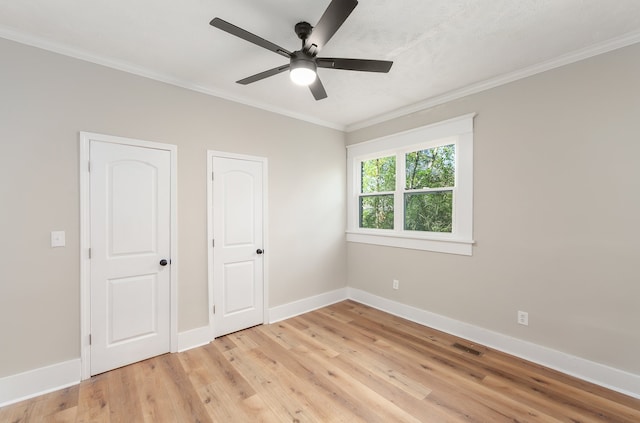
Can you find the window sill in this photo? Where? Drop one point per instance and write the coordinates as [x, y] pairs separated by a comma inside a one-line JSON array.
[[441, 245]]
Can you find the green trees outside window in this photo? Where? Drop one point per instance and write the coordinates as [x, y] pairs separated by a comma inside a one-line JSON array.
[[378, 182], [414, 189], [428, 190], [428, 199]]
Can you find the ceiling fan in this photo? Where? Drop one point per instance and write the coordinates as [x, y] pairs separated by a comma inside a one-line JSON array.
[[303, 63]]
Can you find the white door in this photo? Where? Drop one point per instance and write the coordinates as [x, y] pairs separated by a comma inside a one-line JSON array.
[[130, 219], [238, 264]]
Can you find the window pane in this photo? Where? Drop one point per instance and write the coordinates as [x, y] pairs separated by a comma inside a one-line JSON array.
[[431, 168], [378, 175], [376, 211], [430, 212]]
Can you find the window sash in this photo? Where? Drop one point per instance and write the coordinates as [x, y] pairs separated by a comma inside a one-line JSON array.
[[361, 164], [361, 209], [374, 194], [450, 221], [401, 182], [420, 149], [427, 190]]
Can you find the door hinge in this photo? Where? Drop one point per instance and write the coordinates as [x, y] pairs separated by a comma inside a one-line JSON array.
[[213, 242], [89, 166], [89, 339], [212, 175], [89, 252], [214, 309]]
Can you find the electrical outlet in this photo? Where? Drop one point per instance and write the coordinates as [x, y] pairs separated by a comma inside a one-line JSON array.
[[523, 318], [57, 239], [396, 284]]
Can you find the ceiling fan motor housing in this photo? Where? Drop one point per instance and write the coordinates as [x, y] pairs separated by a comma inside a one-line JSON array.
[[303, 30], [301, 59]]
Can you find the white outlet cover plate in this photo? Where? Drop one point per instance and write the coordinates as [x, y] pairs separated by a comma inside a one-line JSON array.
[[58, 239], [523, 318]]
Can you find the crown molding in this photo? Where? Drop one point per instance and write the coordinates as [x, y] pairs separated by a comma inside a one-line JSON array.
[[566, 59], [585, 53], [41, 43]]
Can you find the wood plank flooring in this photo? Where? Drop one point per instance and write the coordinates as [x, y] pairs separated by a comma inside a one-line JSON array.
[[343, 363]]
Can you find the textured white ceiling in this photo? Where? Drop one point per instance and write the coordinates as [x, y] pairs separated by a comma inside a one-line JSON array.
[[438, 47]]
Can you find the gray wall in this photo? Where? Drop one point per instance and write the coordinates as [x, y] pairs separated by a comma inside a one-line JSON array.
[[47, 99], [556, 214], [557, 172]]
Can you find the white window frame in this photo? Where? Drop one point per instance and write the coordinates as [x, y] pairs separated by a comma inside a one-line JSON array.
[[457, 131]]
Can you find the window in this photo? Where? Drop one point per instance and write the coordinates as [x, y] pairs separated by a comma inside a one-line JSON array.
[[414, 189], [377, 186], [429, 185]]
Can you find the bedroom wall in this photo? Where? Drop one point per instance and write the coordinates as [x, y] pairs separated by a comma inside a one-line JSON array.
[[48, 98], [556, 207]]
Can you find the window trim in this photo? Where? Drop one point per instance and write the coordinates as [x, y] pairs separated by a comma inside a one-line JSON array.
[[458, 131]]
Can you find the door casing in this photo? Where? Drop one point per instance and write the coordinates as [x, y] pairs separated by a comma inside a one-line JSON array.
[[85, 240], [265, 183]]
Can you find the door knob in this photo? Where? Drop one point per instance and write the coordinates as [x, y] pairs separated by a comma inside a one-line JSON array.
[[163, 262], [259, 251]]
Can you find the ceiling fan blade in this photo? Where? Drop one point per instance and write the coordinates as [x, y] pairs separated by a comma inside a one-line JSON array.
[[246, 35], [335, 15], [354, 64], [263, 75], [317, 89]]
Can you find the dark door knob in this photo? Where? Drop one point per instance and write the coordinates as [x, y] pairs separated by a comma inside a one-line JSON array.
[[163, 262], [259, 251]]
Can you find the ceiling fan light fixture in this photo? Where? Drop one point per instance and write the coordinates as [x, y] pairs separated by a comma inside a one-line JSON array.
[[302, 76], [302, 70]]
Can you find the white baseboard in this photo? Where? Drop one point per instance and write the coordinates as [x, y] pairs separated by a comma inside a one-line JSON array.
[[608, 377], [194, 338], [51, 378], [305, 305], [201, 336], [39, 381]]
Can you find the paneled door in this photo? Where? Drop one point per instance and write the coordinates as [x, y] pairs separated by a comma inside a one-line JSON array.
[[238, 249], [130, 222]]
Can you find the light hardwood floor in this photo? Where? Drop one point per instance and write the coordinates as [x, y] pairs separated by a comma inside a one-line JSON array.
[[343, 363]]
